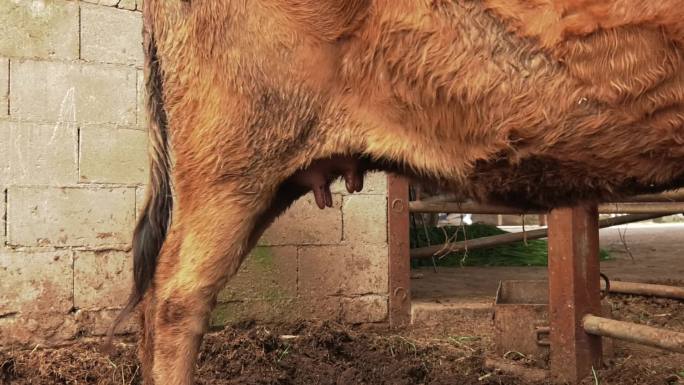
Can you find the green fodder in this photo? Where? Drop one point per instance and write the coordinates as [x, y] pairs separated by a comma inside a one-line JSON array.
[[530, 253]]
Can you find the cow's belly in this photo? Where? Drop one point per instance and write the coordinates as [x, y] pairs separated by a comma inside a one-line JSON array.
[[545, 182]]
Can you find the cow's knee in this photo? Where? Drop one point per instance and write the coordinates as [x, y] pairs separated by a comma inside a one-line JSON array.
[[186, 312]]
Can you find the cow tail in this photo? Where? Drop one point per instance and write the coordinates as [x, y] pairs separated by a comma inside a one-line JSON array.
[[153, 223]]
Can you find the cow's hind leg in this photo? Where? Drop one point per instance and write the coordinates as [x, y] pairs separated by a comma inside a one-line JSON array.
[[204, 248]]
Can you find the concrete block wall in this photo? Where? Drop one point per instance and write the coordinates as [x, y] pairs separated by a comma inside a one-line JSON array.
[[312, 263], [73, 165]]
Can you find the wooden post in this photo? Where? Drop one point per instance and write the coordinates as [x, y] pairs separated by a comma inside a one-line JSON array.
[[399, 260], [574, 291]]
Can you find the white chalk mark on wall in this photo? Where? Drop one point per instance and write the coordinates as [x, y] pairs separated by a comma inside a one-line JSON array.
[[66, 120]]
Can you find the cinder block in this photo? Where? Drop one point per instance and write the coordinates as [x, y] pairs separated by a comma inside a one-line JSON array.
[[67, 92], [365, 219], [4, 86], [42, 29], [366, 309], [111, 35], [141, 111], [4, 154], [285, 310], [328, 308], [323, 270], [334, 270], [4, 178], [35, 282], [367, 270], [42, 153], [139, 5], [3, 214], [140, 196], [268, 273], [127, 4], [106, 3], [97, 323], [374, 183], [48, 216], [102, 279], [111, 155], [280, 310], [305, 224], [32, 329]]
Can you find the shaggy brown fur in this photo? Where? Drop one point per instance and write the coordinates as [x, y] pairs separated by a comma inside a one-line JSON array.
[[552, 21], [537, 102]]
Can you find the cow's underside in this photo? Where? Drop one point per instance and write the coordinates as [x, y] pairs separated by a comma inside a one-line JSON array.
[[253, 104], [533, 183]]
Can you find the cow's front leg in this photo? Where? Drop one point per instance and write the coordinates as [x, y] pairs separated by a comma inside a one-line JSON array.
[[204, 248]]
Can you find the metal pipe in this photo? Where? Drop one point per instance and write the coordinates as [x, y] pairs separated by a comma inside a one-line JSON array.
[[463, 207], [495, 240], [630, 332], [642, 208], [607, 208], [646, 289]]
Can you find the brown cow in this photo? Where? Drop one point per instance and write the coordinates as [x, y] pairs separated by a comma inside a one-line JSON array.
[[253, 103]]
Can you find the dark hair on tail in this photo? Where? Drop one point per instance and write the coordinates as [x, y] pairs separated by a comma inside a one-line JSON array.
[[153, 224]]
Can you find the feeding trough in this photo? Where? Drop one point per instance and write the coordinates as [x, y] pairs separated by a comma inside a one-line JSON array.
[[521, 320]]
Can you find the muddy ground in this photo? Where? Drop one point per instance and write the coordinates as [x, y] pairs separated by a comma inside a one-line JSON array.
[[329, 353]]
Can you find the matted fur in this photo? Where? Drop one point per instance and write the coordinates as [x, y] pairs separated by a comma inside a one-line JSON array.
[[535, 103]]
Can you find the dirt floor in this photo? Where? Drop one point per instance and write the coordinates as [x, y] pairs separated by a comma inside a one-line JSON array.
[[329, 353], [449, 353]]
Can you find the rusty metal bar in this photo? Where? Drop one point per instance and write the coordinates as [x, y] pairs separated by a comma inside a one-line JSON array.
[[607, 208], [646, 289], [399, 261], [573, 291], [630, 332], [495, 240]]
